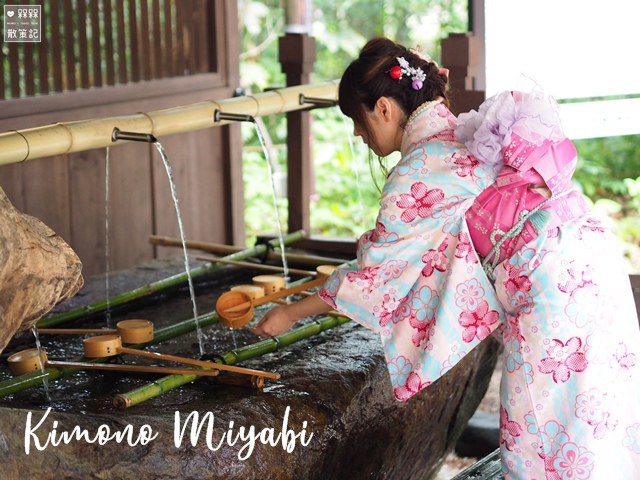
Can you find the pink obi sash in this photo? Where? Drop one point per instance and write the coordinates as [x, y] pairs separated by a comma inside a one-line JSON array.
[[511, 213]]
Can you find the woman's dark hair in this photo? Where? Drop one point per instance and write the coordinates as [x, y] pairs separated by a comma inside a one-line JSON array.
[[367, 79]]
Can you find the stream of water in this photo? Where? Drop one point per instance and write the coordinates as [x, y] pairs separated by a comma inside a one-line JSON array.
[[106, 239], [275, 201], [45, 379], [174, 194]]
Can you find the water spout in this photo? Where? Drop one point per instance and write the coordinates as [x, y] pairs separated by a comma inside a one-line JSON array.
[[318, 102], [117, 134], [236, 117]]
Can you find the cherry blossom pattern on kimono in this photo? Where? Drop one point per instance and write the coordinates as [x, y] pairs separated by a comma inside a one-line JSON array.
[[417, 280]]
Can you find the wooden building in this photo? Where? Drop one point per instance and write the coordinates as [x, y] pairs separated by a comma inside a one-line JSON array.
[[149, 56], [174, 54]]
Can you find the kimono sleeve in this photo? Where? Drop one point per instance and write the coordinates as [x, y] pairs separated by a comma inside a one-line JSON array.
[[418, 281]]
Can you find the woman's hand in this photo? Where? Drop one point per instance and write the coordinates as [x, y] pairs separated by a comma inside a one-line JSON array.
[[282, 318], [275, 322]]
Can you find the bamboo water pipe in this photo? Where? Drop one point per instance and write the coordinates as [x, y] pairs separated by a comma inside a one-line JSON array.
[[67, 137]]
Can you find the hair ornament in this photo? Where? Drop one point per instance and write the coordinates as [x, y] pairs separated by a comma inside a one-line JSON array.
[[405, 68]]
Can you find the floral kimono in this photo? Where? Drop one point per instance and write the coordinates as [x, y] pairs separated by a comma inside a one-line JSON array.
[[555, 292]]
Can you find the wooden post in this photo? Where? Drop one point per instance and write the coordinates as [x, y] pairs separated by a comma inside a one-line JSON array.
[[225, 57], [460, 54], [297, 53]]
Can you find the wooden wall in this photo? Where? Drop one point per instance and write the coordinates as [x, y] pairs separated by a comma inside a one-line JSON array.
[[67, 192]]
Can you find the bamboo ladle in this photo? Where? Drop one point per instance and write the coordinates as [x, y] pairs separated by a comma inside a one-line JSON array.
[[235, 308], [110, 345], [130, 331], [27, 361]]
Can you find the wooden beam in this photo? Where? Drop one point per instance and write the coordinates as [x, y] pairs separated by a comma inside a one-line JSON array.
[[297, 54]]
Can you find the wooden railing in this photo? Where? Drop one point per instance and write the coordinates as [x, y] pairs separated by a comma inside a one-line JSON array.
[[93, 43]]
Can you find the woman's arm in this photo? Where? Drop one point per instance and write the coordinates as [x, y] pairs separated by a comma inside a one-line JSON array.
[[282, 318]]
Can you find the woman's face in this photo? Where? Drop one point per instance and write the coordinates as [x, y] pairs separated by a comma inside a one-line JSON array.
[[383, 132]]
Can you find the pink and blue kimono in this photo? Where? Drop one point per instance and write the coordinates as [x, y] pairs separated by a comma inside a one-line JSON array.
[[490, 238]]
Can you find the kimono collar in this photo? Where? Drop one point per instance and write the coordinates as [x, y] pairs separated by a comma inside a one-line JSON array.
[[427, 120]]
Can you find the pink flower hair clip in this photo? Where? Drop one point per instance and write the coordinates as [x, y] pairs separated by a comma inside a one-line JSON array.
[[405, 68]]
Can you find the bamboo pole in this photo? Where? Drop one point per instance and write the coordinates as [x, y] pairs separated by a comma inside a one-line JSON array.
[[217, 248], [67, 137], [220, 249], [257, 266], [168, 383], [159, 285]]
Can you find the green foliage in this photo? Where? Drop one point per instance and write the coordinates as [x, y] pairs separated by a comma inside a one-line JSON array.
[[607, 172], [346, 197], [605, 163]]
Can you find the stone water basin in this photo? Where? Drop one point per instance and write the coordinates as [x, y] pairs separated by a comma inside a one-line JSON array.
[[331, 414]]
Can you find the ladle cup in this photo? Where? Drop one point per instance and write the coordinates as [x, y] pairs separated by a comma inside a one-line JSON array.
[[235, 308], [269, 283], [130, 331], [253, 291]]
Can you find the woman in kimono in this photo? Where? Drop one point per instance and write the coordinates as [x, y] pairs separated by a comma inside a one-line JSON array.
[[480, 232]]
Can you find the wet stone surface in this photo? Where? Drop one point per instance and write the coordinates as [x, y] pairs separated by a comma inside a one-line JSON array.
[[334, 393]]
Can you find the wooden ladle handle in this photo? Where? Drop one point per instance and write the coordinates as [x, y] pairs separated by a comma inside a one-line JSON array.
[[132, 368], [200, 363], [77, 331]]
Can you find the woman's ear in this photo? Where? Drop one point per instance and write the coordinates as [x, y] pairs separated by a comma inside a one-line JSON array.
[[384, 107]]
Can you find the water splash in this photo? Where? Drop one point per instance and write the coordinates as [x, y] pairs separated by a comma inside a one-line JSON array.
[[45, 377], [174, 194], [275, 202], [106, 239]]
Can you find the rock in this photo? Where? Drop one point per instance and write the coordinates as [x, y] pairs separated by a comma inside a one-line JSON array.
[[38, 271], [481, 436]]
